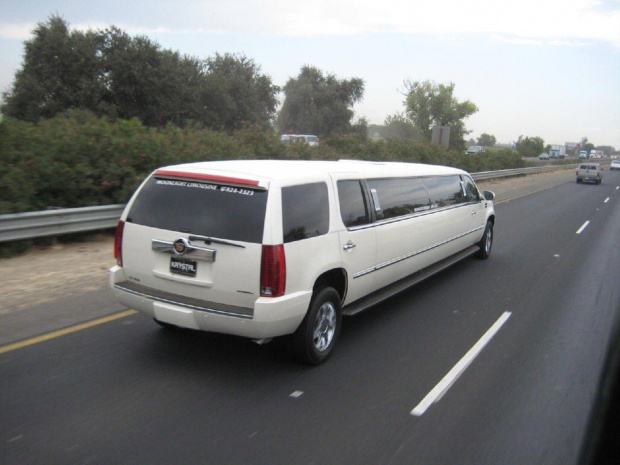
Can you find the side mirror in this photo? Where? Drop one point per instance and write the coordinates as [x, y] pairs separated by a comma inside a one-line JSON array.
[[488, 195]]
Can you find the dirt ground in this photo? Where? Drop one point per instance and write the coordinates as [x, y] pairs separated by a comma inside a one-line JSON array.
[[48, 273], [45, 274]]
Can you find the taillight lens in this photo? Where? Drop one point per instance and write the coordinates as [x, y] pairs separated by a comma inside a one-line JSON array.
[[118, 243], [272, 271]]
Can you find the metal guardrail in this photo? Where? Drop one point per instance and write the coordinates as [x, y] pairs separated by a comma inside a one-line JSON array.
[[21, 226], [484, 175], [50, 223]]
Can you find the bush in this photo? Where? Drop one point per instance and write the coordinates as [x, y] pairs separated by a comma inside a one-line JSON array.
[[490, 161], [77, 159]]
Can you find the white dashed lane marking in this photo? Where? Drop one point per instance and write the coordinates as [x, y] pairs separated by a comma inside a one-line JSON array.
[[442, 387]]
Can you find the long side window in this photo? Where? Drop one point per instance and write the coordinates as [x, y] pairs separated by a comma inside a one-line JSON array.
[[305, 211], [353, 206], [399, 196], [444, 190]]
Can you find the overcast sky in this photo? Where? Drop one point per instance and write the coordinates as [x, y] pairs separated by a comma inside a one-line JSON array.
[[548, 68]]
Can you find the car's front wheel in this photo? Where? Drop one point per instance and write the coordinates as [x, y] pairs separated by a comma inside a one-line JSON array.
[[316, 337], [486, 243]]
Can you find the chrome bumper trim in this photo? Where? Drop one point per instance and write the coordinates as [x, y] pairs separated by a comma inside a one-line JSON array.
[[182, 301]]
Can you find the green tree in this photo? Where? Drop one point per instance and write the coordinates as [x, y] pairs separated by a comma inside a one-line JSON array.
[[586, 145], [428, 104], [238, 93], [60, 72], [398, 126], [607, 149], [113, 74], [318, 103], [487, 140], [145, 82], [360, 128], [530, 146]]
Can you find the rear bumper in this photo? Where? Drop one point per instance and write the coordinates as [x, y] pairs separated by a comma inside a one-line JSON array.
[[588, 178], [268, 318]]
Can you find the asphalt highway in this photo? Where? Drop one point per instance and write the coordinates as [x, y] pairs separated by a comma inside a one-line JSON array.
[[488, 362]]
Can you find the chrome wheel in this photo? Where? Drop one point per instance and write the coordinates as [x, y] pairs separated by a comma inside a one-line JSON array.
[[324, 326], [488, 241], [314, 340]]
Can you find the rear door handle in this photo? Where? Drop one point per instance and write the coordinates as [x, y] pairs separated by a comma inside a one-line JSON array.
[[349, 245]]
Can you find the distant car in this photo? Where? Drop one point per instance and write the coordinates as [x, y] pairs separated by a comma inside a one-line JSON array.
[[615, 165], [544, 156], [308, 139], [474, 149], [589, 172]]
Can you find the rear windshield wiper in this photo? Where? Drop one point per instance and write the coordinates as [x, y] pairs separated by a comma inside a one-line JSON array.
[[209, 240]]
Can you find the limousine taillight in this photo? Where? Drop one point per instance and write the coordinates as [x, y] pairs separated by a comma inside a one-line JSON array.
[[272, 271], [118, 243]]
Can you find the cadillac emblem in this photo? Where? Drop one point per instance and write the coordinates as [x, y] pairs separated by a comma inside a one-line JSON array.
[[180, 246]]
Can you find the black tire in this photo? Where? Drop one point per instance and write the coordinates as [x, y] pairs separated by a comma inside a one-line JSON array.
[[578, 181], [314, 340], [486, 243]]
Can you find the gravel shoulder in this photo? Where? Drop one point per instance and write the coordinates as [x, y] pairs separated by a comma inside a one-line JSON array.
[[49, 274]]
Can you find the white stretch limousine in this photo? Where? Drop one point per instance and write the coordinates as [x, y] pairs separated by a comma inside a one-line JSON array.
[[270, 248]]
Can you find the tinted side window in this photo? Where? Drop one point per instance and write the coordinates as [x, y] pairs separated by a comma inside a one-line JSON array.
[[305, 211], [471, 190], [444, 190], [400, 196], [353, 208]]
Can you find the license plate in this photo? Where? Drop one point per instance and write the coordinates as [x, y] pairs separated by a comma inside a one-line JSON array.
[[183, 266]]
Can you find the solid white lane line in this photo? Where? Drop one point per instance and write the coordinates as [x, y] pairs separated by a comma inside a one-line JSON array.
[[583, 226], [440, 389]]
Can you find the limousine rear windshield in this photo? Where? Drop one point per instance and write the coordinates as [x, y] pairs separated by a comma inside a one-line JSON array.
[[201, 208]]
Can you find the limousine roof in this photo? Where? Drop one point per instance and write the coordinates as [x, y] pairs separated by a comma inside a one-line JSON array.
[[278, 170]]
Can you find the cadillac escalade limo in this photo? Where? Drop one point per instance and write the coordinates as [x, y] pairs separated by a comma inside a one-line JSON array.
[[269, 248]]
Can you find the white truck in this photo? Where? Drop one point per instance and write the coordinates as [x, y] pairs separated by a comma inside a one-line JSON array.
[[589, 172], [557, 151]]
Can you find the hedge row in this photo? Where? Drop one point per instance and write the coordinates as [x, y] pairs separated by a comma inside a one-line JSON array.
[[77, 159]]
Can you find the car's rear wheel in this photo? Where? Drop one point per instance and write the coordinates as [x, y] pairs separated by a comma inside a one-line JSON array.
[[316, 337], [486, 243]]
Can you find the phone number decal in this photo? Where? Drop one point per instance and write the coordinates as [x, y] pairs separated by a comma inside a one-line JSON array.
[[236, 190]]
